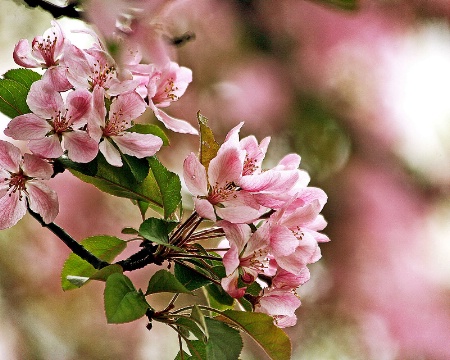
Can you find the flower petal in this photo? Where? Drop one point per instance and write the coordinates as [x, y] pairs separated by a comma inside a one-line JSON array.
[[205, 209], [194, 174], [47, 147], [43, 200], [44, 100], [10, 157], [36, 167], [111, 154], [27, 127], [174, 124], [13, 207], [138, 145], [126, 107], [78, 106], [80, 146], [22, 55]]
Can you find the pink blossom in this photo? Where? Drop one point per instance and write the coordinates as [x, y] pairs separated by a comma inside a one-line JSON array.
[[21, 186], [55, 126], [294, 235], [215, 192], [111, 129], [280, 304], [87, 69], [46, 52], [165, 86], [246, 258]]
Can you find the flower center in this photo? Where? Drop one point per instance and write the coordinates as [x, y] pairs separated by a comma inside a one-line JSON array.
[[101, 75], [249, 166], [115, 125], [61, 123], [47, 49], [219, 194], [17, 182]]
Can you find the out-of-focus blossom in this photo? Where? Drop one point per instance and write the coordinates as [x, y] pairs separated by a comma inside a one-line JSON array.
[[21, 185], [54, 125], [135, 23], [110, 128]]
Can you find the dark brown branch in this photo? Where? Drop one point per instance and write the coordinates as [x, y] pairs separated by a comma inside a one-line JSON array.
[[71, 243], [70, 10]]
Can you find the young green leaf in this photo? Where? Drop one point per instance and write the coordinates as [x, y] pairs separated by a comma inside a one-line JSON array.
[[208, 145], [123, 303], [261, 328], [117, 181], [157, 230], [104, 247], [13, 96], [165, 281], [224, 342], [218, 297], [190, 278], [138, 167], [26, 77], [168, 184]]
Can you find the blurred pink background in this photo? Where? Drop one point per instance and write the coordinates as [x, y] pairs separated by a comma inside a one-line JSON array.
[[363, 96]]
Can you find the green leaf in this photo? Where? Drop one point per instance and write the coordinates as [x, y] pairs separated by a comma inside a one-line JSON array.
[[218, 297], [208, 145], [13, 96], [189, 325], [224, 342], [190, 278], [261, 328], [118, 181], [343, 4], [123, 303], [150, 129], [199, 318], [138, 167], [165, 281], [26, 77], [182, 356], [198, 350], [168, 184], [129, 231], [156, 230], [105, 272], [104, 247], [14, 88]]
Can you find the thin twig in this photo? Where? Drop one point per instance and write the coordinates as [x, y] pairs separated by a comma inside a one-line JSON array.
[[71, 243]]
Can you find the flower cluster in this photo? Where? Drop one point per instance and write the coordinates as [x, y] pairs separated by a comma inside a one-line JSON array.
[[271, 219], [85, 104]]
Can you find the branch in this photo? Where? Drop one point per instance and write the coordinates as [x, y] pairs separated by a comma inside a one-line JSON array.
[[57, 11], [72, 244]]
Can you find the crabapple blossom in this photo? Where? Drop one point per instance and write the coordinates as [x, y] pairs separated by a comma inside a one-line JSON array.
[[93, 67], [246, 258], [21, 186], [110, 127], [54, 125], [215, 192], [46, 52], [165, 86]]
